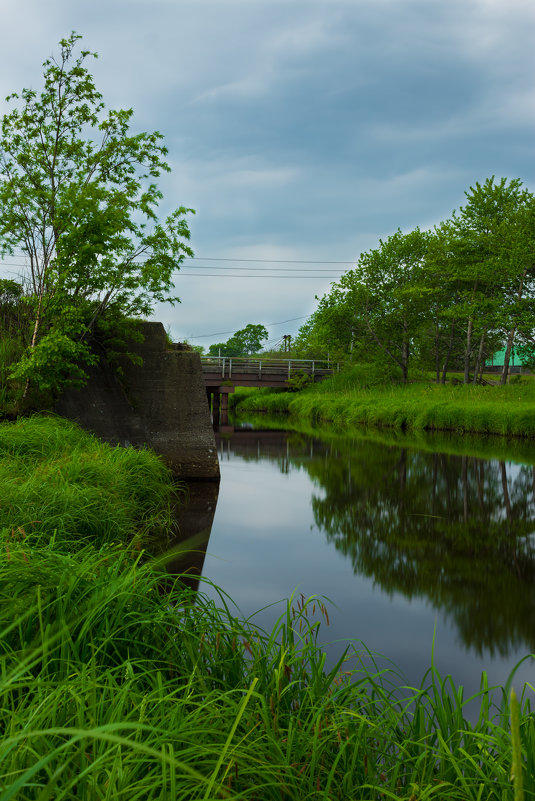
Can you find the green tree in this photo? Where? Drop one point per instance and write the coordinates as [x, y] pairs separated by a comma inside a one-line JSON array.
[[244, 342], [486, 268], [334, 326], [78, 197], [393, 294], [217, 349], [518, 248], [378, 308], [447, 298]]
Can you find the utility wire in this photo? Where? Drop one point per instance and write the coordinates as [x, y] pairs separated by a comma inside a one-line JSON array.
[[221, 333], [233, 275], [257, 261], [224, 275], [272, 261], [266, 270], [218, 333]]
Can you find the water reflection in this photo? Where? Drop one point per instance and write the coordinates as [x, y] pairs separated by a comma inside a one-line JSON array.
[[194, 518], [454, 530]]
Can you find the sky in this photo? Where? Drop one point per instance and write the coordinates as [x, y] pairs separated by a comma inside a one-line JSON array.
[[301, 131]]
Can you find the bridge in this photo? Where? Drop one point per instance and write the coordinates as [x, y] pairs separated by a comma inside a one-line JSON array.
[[222, 374]]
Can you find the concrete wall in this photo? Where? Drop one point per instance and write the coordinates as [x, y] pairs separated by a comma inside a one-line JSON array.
[[162, 404]]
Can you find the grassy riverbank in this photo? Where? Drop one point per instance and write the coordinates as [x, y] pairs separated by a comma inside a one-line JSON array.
[[469, 444], [353, 398], [118, 683]]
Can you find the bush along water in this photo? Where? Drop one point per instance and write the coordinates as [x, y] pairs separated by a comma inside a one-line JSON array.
[[118, 684]]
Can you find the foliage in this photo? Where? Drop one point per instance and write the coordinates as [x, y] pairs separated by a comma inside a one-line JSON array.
[[13, 315], [487, 274], [298, 381], [244, 342], [441, 299], [377, 308], [79, 199]]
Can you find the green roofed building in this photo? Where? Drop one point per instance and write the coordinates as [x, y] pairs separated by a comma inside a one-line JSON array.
[[496, 360]]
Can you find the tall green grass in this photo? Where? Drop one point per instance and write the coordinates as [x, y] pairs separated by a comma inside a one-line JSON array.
[[118, 682], [60, 482], [111, 689]]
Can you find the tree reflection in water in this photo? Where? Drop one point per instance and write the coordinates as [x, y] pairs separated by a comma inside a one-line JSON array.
[[456, 530]]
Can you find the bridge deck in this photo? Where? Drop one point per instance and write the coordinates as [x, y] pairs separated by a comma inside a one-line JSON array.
[[243, 372]]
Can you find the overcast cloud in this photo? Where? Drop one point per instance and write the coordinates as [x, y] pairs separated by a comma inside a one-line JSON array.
[[300, 129]]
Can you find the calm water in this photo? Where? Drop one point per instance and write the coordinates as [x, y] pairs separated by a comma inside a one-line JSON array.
[[407, 544]]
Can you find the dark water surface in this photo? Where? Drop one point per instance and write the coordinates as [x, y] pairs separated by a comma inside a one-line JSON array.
[[408, 544]]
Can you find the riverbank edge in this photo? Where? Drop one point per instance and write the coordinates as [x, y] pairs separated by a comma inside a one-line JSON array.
[[472, 445], [503, 411]]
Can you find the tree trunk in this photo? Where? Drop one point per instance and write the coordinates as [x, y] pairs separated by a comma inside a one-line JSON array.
[[448, 354], [468, 351], [511, 337], [35, 334], [507, 355], [437, 354], [479, 359], [405, 362], [405, 352]]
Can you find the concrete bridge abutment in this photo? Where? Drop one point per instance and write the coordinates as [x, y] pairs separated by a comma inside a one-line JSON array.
[[160, 404]]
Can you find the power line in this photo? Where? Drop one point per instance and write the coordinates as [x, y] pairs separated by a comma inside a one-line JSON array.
[[200, 275], [291, 320], [272, 261], [232, 275], [268, 269], [221, 333], [182, 274], [250, 261]]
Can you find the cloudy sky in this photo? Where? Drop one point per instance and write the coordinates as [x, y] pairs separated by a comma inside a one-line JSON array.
[[301, 131]]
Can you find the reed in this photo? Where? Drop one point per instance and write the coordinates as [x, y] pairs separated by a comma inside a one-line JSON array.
[[113, 689]]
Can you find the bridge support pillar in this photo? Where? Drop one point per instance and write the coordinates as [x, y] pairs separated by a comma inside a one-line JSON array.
[[224, 408], [218, 402], [216, 406]]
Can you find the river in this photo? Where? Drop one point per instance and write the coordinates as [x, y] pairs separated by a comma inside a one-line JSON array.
[[424, 551]]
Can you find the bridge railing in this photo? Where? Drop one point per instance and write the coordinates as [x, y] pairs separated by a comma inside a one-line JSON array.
[[225, 366]]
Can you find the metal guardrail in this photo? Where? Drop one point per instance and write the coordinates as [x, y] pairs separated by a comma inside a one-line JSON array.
[[226, 365]]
